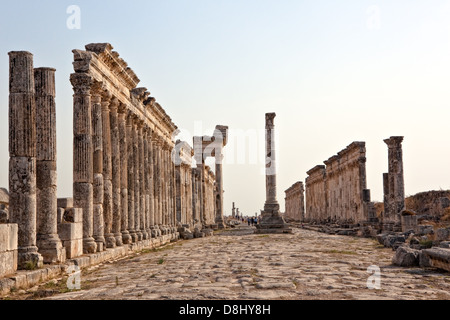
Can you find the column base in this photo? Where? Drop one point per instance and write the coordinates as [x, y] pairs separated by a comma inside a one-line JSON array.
[[126, 237], [51, 249], [272, 222], [118, 237], [89, 245], [144, 235], [134, 237], [110, 240], [29, 259]]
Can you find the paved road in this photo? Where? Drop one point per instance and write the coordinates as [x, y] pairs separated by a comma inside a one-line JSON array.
[[237, 264]]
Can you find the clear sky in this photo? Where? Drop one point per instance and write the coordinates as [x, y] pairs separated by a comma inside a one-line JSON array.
[[333, 71]]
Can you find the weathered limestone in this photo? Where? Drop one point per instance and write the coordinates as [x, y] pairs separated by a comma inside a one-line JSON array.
[[8, 249], [130, 176], [338, 191], [295, 203], [393, 182], [271, 221], [70, 228], [22, 151], [115, 158], [48, 242]]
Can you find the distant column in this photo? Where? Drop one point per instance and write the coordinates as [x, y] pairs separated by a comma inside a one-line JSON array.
[[83, 156], [48, 241], [394, 181], [22, 152]]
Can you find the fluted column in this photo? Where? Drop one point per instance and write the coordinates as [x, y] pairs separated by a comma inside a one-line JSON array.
[[131, 176], [137, 184], [48, 241], [156, 185], [123, 141], [83, 156], [98, 183], [146, 133], [142, 181], [107, 171], [22, 152], [159, 184], [115, 158], [151, 184]]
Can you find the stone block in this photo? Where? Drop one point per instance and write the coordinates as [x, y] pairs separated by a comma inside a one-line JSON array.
[[8, 237], [406, 257], [73, 215], [65, 203], [7, 265], [70, 231], [442, 234], [74, 248]]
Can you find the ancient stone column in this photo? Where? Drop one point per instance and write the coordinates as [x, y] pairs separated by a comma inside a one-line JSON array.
[[115, 158], [394, 186], [137, 184], [146, 182], [131, 176], [159, 183], [107, 171], [233, 211], [123, 141], [48, 241], [142, 181], [219, 190], [83, 156], [22, 152], [272, 221], [151, 184], [156, 185], [98, 183]]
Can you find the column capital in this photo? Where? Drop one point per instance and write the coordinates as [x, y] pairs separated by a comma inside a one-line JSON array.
[[114, 105], [81, 83], [122, 109]]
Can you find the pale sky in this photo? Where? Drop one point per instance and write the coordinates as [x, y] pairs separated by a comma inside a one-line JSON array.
[[334, 72]]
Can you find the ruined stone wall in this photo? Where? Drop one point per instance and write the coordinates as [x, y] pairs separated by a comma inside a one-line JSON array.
[[315, 199], [295, 203], [338, 191], [430, 204], [184, 184]]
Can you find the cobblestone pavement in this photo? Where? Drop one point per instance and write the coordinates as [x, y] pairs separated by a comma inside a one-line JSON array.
[[235, 264]]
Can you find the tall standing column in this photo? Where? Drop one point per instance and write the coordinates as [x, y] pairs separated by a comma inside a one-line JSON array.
[[137, 184], [115, 158], [219, 189], [151, 184], [83, 156], [22, 152], [142, 181], [123, 141], [98, 184], [156, 184], [48, 241], [107, 171], [146, 133], [272, 221], [131, 176], [394, 186]]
